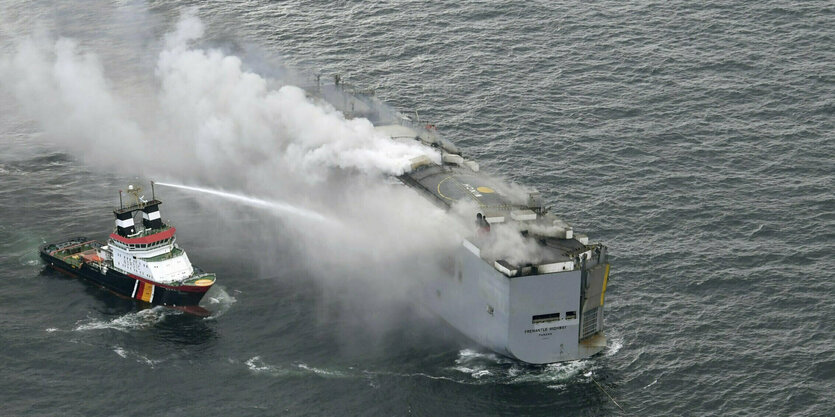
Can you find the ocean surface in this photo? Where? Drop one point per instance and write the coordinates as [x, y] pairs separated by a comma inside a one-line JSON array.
[[695, 139]]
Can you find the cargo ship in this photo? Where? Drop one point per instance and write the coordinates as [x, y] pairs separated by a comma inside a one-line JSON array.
[[543, 307], [144, 262]]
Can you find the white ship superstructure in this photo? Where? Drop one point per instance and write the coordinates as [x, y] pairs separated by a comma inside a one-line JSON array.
[[161, 262], [149, 252]]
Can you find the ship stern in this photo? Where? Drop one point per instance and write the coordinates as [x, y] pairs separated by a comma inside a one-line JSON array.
[[558, 316]]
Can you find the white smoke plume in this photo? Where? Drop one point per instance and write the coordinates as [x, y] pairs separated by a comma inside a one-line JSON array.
[[205, 120], [207, 109], [505, 242]]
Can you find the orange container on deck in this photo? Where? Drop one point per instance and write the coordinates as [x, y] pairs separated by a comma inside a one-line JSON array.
[[91, 257]]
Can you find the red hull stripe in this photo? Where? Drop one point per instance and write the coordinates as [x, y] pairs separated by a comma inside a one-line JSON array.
[[139, 289], [156, 237], [186, 288]]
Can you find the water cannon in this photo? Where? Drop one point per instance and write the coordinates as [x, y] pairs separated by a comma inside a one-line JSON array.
[[535, 201]]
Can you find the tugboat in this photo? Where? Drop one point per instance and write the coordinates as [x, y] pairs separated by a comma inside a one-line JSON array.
[[143, 263]]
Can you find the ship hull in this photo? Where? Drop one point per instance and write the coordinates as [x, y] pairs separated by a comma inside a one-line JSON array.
[[130, 286], [516, 316]]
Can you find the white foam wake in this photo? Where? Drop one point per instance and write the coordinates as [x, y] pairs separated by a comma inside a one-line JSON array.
[[490, 368], [218, 301], [471, 368], [142, 319], [257, 365]]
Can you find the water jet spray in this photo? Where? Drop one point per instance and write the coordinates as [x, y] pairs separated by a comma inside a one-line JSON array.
[[276, 206]]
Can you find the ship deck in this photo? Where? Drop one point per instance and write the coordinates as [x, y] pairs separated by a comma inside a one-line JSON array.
[[449, 184], [455, 182], [77, 253]]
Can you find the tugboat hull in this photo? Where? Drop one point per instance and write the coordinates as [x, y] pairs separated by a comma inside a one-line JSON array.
[[125, 284]]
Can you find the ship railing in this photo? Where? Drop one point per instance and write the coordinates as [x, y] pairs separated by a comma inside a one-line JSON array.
[[165, 256], [198, 275], [70, 250], [137, 206], [148, 232]]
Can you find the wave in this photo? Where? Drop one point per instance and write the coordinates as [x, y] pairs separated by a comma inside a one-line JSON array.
[[30, 258], [138, 357], [470, 368], [218, 302], [614, 347], [141, 319], [489, 368], [257, 365], [322, 372], [120, 351]]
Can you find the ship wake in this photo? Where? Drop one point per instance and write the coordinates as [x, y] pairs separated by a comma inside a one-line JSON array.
[[218, 302], [470, 368], [139, 320], [490, 368]]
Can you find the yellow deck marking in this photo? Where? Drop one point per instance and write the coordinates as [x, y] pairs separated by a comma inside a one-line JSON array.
[[480, 204], [605, 281], [485, 190], [439, 188]]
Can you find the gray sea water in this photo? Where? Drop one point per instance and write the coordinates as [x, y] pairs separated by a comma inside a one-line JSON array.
[[695, 139]]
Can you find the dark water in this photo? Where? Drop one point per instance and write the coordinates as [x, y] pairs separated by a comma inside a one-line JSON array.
[[694, 139]]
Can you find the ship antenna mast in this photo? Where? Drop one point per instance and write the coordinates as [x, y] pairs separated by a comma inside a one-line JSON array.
[[121, 206], [134, 191], [153, 196]]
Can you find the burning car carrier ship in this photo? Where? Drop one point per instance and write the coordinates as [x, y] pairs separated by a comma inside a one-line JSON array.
[[543, 312]]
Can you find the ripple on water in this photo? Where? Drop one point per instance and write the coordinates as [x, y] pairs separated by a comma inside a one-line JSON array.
[[694, 138], [138, 357]]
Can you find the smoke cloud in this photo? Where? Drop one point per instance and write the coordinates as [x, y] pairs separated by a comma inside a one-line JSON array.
[[208, 110], [205, 120]]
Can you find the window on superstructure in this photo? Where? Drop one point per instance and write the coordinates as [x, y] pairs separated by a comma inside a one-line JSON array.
[[544, 318], [570, 315]]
